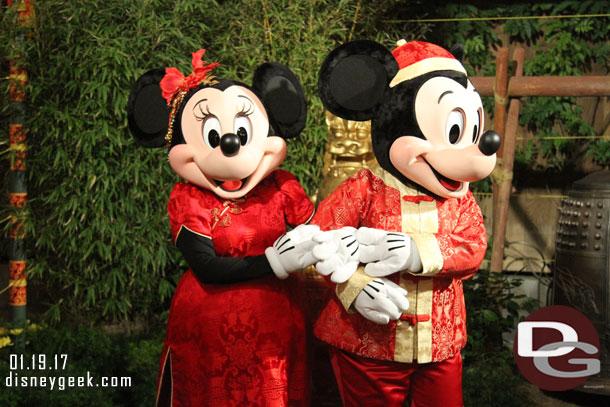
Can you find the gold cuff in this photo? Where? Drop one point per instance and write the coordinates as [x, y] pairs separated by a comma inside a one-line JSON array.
[[348, 291], [429, 252]]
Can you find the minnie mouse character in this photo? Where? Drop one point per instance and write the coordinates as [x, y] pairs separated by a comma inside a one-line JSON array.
[[420, 229], [235, 334]]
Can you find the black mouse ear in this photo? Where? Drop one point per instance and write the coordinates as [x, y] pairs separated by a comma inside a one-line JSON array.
[[147, 111], [457, 50], [283, 97], [354, 77]]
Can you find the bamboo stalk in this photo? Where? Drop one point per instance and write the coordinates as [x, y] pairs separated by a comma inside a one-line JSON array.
[[17, 183]]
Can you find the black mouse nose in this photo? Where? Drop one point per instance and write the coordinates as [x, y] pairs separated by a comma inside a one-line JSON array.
[[229, 144], [490, 142]]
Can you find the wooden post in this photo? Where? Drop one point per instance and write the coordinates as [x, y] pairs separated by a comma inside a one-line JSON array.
[[500, 87], [18, 184], [500, 102], [501, 94], [505, 173]]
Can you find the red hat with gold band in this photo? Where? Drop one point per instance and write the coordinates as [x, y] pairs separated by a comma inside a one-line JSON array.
[[416, 58]]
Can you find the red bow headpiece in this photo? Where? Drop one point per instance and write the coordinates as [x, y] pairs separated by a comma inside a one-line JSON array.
[[174, 85], [175, 82]]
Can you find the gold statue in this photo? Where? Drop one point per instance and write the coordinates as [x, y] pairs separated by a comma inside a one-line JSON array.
[[348, 150]]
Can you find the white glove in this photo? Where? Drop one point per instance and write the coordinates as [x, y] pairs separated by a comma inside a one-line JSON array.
[[381, 301], [387, 252], [338, 252], [292, 250]]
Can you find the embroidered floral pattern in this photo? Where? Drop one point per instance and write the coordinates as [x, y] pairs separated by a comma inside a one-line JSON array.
[[366, 200], [239, 344]]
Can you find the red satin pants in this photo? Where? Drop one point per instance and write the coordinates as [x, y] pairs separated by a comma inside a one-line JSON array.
[[365, 382]]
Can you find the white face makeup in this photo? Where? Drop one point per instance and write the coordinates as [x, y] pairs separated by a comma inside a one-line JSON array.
[[451, 120], [227, 149]]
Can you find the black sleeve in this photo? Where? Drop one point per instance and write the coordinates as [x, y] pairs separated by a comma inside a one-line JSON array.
[[198, 251]]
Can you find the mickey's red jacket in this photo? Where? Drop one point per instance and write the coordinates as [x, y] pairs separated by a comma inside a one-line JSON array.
[[451, 241]]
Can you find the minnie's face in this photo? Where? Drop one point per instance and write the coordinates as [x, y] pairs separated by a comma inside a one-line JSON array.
[[448, 158], [227, 149]]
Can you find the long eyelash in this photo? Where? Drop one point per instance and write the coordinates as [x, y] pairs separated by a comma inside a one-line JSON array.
[[204, 115], [246, 110]]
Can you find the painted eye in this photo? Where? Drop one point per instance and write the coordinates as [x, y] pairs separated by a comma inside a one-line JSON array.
[[243, 129], [454, 126], [477, 128], [211, 132]]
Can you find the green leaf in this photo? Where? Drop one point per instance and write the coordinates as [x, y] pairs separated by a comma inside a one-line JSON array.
[[489, 315]]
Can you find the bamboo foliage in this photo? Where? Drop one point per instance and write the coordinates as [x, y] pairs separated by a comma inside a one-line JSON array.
[[100, 240]]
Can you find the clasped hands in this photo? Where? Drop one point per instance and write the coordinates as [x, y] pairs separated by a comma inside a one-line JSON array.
[[337, 253]]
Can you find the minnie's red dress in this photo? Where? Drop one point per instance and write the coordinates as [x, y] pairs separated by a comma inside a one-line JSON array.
[[240, 344]]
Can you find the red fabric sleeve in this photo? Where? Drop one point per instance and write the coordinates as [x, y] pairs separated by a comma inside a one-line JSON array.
[[297, 206], [187, 207], [463, 250], [347, 204]]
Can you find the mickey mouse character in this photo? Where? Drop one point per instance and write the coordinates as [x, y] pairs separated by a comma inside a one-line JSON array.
[[235, 334], [420, 229]]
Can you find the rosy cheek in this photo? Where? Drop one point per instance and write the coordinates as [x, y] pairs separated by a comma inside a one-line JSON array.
[[181, 153], [182, 157], [398, 157], [275, 145], [407, 150]]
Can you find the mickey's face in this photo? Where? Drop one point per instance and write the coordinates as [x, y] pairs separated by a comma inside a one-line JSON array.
[[227, 149], [426, 117], [448, 157]]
